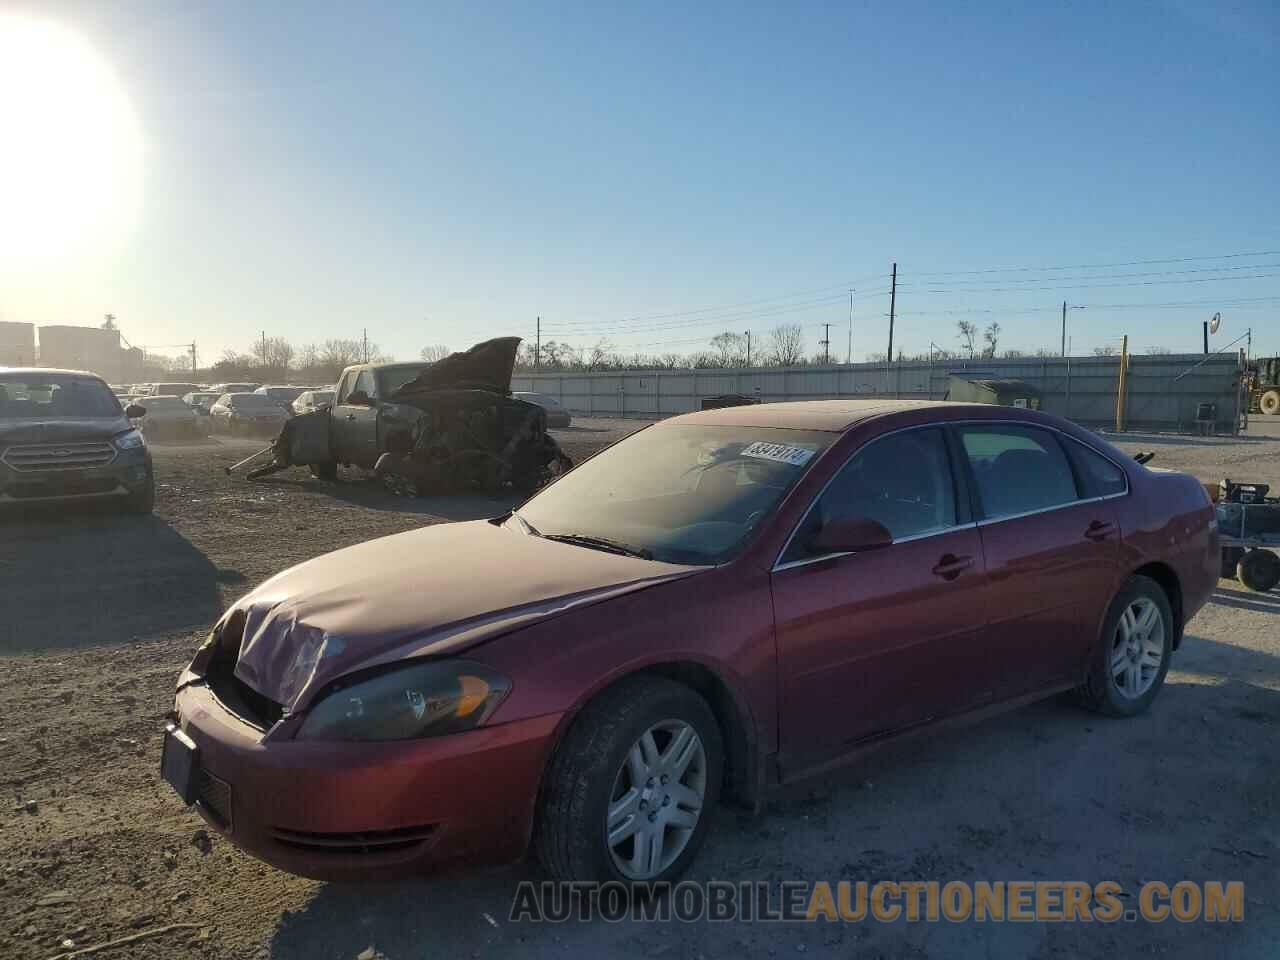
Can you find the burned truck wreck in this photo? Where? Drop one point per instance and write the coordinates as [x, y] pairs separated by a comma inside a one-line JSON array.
[[447, 427]]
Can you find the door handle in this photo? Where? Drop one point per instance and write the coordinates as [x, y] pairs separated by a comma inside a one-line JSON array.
[[351, 416], [950, 566], [1099, 530]]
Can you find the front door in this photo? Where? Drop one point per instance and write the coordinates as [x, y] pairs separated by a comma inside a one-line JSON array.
[[873, 642], [355, 419]]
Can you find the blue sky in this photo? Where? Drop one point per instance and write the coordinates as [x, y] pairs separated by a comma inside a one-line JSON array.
[[440, 174]]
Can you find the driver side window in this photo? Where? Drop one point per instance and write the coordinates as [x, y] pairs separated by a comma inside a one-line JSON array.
[[902, 481]]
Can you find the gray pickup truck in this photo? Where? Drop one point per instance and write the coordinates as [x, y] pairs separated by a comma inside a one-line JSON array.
[[448, 426], [64, 436], [363, 417]]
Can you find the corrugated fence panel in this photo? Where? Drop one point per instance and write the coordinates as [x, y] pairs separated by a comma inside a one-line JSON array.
[[1164, 391]]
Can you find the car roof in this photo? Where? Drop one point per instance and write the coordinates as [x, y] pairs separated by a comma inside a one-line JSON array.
[[47, 371], [833, 415]]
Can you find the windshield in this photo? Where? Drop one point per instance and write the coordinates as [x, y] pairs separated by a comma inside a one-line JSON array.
[[164, 403], [680, 493], [395, 378], [52, 396]]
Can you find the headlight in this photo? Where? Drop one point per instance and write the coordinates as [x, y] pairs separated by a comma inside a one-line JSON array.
[[130, 440], [425, 700]]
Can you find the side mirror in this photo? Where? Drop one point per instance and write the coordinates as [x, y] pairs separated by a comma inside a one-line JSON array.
[[851, 535], [359, 398], [133, 411]]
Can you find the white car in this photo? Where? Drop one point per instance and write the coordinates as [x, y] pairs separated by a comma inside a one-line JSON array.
[[168, 417], [312, 400]]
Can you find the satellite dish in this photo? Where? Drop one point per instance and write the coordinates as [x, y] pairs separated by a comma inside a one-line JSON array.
[[1215, 323]]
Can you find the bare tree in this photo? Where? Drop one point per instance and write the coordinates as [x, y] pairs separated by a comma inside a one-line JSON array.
[[786, 344], [730, 349], [1106, 350], [991, 336], [273, 354], [968, 334], [1045, 352], [308, 357], [1159, 351], [434, 352]]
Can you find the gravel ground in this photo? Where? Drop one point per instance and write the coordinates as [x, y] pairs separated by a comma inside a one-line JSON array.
[[100, 613]]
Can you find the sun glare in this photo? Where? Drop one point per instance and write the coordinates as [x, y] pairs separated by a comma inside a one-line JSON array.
[[70, 152]]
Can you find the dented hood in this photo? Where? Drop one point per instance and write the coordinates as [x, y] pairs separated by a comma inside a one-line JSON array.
[[431, 591]]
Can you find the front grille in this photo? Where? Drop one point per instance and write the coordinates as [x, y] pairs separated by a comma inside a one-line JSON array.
[[355, 844], [214, 796], [58, 456], [60, 487]]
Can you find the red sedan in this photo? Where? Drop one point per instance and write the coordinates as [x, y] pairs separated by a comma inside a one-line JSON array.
[[721, 603]]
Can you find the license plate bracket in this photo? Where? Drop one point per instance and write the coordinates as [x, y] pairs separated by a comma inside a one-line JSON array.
[[180, 763]]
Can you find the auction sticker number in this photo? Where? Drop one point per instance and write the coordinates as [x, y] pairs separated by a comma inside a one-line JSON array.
[[779, 452]]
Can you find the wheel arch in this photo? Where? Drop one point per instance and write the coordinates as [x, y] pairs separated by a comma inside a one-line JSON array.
[[1167, 578], [742, 768]]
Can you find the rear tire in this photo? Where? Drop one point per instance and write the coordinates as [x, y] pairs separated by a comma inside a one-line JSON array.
[[1269, 403], [1259, 570], [1124, 676], [1230, 557], [615, 772]]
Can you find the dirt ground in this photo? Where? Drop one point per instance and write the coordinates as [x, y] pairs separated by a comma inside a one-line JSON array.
[[99, 613]]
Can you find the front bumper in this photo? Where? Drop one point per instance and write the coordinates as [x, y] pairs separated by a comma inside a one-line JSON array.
[[128, 473], [345, 810]]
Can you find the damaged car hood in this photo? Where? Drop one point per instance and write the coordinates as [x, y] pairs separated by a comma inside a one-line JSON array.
[[435, 590]]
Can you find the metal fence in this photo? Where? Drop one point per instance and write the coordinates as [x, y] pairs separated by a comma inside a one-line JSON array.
[[1164, 392]]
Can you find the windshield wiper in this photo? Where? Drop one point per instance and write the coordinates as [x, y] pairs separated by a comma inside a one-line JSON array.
[[528, 527], [601, 543]]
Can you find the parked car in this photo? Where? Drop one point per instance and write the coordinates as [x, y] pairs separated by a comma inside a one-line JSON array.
[[312, 400], [246, 414], [284, 396], [64, 436], [557, 416], [729, 600], [172, 389], [201, 401], [170, 418], [221, 388]]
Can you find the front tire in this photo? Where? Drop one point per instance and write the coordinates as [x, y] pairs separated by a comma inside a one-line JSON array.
[[630, 791], [1132, 659], [324, 471], [143, 501]]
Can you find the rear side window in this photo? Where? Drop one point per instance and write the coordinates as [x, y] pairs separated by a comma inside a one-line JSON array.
[[1017, 469], [903, 481], [1098, 476]]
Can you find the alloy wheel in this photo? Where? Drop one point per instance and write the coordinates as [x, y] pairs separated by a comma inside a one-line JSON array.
[[657, 799], [1137, 648]]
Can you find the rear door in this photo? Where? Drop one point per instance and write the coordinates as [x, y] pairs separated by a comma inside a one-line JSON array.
[[343, 416], [873, 642], [1052, 551]]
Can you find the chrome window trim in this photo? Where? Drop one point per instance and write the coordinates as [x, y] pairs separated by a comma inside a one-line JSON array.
[[850, 553], [976, 524]]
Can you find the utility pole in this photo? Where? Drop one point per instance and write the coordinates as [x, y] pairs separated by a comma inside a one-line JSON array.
[[826, 343], [1064, 328], [848, 357], [893, 299], [537, 346], [193, 358], [365, 344], [1122, 388], [748, 348], [1206, 336], [264, 355]]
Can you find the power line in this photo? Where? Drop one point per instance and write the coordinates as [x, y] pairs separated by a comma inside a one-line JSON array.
[[1099, 286], [730, 307], [1121, 276], [1100, 266], [1240, 302]]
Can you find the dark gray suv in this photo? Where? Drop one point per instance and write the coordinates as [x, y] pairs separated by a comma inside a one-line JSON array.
[[64, 436]]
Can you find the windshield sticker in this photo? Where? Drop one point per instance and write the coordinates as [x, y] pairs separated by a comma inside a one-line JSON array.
[[779, 452]]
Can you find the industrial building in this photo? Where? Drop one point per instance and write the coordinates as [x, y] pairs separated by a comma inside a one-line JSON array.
[[17, 344]]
